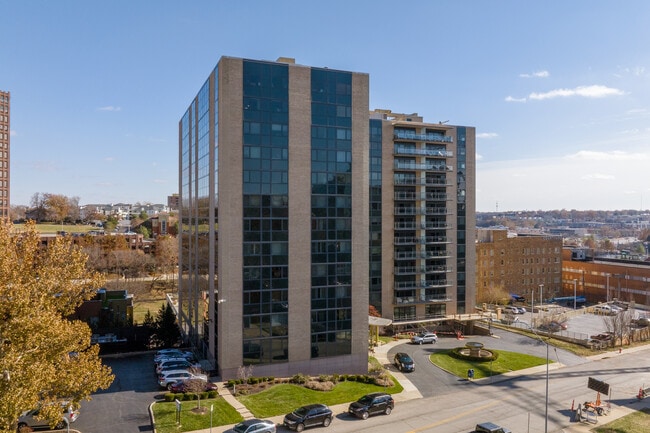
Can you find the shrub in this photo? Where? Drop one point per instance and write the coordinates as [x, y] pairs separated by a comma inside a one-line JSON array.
[[213, 394], [299, 379], [318, 385]]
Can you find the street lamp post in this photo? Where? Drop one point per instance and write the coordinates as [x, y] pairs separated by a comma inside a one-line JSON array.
[[575, 284], [541, 291], [546, 392]]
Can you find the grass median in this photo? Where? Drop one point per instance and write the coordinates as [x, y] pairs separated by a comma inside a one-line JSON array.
[[165, 415], [505, 363]]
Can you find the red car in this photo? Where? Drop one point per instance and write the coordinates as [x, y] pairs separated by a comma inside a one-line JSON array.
[[186, 385]]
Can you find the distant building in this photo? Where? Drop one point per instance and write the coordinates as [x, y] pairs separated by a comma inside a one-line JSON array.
[[173, 201], [109, 308], [5, 137], [522, 265], [601, 279]]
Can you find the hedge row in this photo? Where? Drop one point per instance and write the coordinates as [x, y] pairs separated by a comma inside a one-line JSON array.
[[185, 396]]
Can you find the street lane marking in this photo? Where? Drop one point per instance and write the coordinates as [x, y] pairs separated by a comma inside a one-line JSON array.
[[460, 415]]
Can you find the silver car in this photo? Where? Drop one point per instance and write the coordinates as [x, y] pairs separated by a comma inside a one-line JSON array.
[[424, 337], [29, 418], [255, 426]]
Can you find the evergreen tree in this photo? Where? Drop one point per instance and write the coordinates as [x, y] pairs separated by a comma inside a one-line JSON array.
[[167, 332]]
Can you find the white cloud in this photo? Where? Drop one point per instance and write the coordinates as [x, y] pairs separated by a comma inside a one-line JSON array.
[[513, 99], [159, 181], [487, 135], [598, 176], [595, 91], [478, 157], [13, 132], [109, 108], [614, 155], [538, 74], [109, 159]]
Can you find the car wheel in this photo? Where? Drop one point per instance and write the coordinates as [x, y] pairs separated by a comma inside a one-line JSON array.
[[388, 410], [300, 427], [327, 422], [60, 425], [420, 342], [364, 415]]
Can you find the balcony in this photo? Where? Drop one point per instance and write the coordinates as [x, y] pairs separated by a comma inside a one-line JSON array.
[[408, 150], [400, 180], [410, 135], [408, 165], [429, 284], [421, 196]]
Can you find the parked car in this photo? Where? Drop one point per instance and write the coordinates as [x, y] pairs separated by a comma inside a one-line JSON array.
[[489, 427], [308, 416], [521, 310], [424, 337], [166, 379], [605, 336], [28, 418], [185, 385], [605, 310], [512, 310], [372, 404], [175, 364], [255, 426], [549, 327], [404, 362], [562, 325], [171, 355]]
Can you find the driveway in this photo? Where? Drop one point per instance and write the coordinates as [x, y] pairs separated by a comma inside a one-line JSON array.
[[124, 406], [431, 380]]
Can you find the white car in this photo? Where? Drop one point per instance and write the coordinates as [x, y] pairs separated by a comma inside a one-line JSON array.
[[511, 309], [28, 418], [167, 378]]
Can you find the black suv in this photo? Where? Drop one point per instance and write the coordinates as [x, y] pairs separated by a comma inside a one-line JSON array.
[[371, 404], [404, 362], [308, 416]]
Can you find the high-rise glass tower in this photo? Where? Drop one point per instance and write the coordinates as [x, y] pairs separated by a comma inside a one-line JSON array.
[[5, 136], [274, 218]]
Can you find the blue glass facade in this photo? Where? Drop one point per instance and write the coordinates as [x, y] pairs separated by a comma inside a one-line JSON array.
[[375, 222], [265, 212], [331, 208]]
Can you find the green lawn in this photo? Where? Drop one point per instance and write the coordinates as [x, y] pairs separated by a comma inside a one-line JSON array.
[[165, 415], [507, 361], [636, 422], [284, 398]]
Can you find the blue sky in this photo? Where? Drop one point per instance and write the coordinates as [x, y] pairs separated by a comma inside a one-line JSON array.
[[559, 91]]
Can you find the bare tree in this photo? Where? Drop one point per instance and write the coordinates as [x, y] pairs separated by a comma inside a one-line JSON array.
[[620, 325], [38, 208]]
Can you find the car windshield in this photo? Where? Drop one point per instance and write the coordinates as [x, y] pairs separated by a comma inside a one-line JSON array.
[[301, 411], [365, 400]]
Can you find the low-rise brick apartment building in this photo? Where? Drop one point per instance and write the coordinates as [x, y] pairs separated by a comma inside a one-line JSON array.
[[604, 278], [521, 264]]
